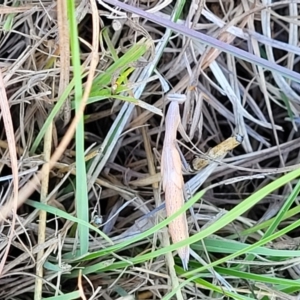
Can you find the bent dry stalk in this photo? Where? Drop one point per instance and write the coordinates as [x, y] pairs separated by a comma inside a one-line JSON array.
[[217, 152], [173, 184]]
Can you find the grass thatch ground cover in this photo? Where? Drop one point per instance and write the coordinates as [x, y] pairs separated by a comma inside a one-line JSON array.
[[82, 213]]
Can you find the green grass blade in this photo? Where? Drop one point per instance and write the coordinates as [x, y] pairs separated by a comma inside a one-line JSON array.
[[209, 286], [229, 247], [286, 101], [81, 195], [259, 278], [62, 214], [286, 206], [52, 115], [68, 296], [111, 48], [291, 213]]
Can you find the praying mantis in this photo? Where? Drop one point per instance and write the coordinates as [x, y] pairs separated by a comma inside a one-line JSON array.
[[172, 178]]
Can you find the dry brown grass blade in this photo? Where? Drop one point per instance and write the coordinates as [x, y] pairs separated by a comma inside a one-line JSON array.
[[14, 10], [149, 153], [224, 36], [64, 50], [9, 130], [43, 216], [151, 179], [26, 255], [213, 53], [79, 284]]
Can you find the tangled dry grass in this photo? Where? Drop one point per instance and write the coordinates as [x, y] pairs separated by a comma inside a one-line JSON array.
[[123, 141]]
